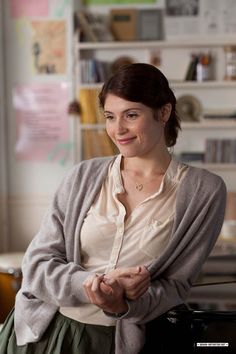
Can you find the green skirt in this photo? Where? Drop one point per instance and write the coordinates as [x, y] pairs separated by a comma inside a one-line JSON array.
[[63, 336]]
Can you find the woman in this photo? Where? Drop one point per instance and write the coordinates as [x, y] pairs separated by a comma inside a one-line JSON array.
[[125, 237]]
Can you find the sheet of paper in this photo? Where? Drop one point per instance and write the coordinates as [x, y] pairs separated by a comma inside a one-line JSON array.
[[41, 120], [48, 43], [30, 8]]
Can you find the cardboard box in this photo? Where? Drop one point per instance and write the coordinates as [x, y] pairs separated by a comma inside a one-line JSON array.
[[137, 24], [123, 24]]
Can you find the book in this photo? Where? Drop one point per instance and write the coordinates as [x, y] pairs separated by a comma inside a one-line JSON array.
[[87, 33], [220, 151], [219, 114], [93, 27], [150, 24], [89, 105], [192, 68], [192, 156], [96, 143], [87, 148], [106, 146]]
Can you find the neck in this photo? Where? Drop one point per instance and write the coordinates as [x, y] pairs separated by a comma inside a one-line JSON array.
[[146, 166]]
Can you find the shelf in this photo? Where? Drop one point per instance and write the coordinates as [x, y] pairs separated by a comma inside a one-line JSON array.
[[203, 84], [210, 124], [182, 84], [213, 124], [94, 85], [96, 126], [221, 92], [215, 166], [208, 41], [225, 124]]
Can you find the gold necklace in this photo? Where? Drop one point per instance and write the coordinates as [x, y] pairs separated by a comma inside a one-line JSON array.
[[139, 186]]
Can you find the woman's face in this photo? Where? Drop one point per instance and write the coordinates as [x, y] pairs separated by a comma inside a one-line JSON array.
[[133, 127]]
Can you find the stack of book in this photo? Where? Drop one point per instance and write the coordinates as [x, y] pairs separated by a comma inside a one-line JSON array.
[[220, 114], [95, 141], [94, 71], [200, 67], [220, 151]]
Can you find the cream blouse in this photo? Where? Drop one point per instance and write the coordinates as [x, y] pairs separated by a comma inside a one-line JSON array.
[[109, 241]]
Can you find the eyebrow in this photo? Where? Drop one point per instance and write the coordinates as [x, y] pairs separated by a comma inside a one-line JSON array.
[[126, 110]]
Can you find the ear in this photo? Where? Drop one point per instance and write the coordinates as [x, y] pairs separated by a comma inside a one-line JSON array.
[[165, 112]]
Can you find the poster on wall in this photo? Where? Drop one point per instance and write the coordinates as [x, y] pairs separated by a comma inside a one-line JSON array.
[[119, 2], [200, 17], [28, 8], [41, 120], [48, 47], [36, 8], [182, 17]]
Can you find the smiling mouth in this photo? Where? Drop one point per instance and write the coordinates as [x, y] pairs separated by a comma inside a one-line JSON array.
[[125, 141]]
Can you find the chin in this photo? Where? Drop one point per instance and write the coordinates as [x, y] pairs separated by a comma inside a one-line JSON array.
[[128, 154]]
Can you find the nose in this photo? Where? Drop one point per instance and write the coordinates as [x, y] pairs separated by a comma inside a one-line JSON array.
[[120, 127]]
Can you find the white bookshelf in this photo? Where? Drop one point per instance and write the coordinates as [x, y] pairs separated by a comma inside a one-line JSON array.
[[216, 94]]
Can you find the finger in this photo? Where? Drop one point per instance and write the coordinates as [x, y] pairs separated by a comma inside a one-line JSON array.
[[107, 289], [123, 272], [95, 287], [130, 271], [133, 283], [132, 292], [144, 270], [110, 281], [89, 293], [139, 270], [142, 279], [89, 280], [117, 288], [136, 292], [134, 271], [87, 286]]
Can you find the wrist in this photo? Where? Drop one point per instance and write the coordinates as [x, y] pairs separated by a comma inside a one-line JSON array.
[[117, 311], [115, 314]]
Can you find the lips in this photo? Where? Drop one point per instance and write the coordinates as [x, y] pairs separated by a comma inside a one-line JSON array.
[[125, 141]]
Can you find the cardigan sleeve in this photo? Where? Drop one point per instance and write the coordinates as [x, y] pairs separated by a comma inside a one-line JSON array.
[[47, 274], [200, 211], [51, 266], [52, 275]]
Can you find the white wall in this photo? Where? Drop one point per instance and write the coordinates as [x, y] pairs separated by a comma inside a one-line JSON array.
[[3, 160], [31, 184]]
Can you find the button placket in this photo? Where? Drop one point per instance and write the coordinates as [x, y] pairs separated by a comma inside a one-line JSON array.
[[117, 244]]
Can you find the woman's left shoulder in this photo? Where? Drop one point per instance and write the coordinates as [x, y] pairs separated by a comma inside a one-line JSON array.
[[201, 176]]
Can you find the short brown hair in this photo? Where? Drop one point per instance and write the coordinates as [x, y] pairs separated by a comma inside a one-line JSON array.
[[144, 83]]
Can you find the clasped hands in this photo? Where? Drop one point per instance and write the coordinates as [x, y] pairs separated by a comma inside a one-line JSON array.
[[109, 291]]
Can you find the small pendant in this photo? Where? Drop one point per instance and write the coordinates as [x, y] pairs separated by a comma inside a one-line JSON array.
[[139, 187]]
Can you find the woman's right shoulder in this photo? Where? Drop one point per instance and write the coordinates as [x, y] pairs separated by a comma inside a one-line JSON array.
[[87, 169], [92, 164]]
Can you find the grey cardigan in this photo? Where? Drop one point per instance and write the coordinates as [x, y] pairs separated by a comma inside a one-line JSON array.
[[53, 276]]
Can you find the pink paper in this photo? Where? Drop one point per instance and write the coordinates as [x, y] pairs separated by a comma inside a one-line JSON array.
[[29, 8], [41, 119]]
